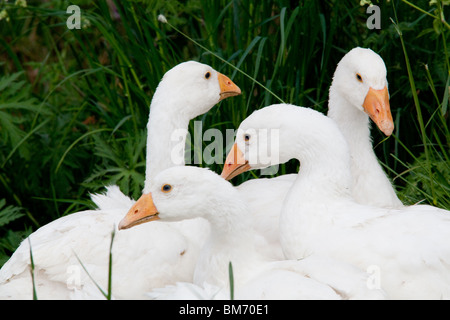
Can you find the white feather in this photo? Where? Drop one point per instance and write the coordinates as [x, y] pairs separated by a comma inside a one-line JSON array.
[[197, 192], [370, 183], [410, 246], [147, 257]]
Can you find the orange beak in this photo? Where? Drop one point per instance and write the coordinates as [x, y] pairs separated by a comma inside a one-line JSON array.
[[227, 87], [377, 107], [142, 211], [235, 164]]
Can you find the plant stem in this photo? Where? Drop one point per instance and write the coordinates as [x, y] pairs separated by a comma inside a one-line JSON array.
[[230, 273], [427, 13], [226, 62], [32, 271], [418, 109]]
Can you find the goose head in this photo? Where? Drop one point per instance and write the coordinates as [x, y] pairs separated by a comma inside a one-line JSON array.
[[186, 91], [277, 133], [193, 88], [183, 192], [360, 82]]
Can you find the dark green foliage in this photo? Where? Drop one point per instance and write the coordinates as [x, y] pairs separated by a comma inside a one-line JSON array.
[[74, 104]]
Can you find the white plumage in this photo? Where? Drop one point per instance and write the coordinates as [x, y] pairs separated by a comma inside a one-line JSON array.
[[410, 246], [358, 90], [264, 197], [352, 100], [142, 259], [197, 192], [87, 234]]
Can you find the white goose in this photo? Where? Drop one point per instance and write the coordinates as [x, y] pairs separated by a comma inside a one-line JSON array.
[[410, 246], [180, 193], [359, 90], [142, 260]]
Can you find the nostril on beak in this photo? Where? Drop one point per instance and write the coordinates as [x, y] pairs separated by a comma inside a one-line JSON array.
[[136, 211]]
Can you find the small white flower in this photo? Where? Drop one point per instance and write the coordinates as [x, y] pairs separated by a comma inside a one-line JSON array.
[[21, 3], [364, 2], [4, 15], [85, 23], [162, 18]]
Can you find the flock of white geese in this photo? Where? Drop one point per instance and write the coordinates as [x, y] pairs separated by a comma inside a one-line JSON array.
[[335, 230]]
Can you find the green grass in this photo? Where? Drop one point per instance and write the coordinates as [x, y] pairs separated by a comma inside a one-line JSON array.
[[35, 297], [108, 293], [231, 280], [74, 104]]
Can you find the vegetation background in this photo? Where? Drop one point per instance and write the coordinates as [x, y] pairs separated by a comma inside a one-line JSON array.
[[74, 104]]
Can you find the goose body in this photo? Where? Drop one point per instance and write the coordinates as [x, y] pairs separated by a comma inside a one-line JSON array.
[[409, 246], [264, 197], [352, 100], [87, 234], [140, 262], [185, 192]]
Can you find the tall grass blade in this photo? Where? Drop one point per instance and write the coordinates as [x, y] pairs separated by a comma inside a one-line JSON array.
[[231, 278], [446, 98], [113, 234], [32, 271], [23, 140], [74, 143], [417, 105], [225, 61], [442, 19], [107, 294], [90, 277]]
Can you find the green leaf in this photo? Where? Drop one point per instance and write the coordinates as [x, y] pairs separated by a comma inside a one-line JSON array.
[[9, 213]]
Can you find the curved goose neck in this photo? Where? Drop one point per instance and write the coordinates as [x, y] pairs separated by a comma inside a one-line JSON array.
[[231, 240], [323, 155], [324, 180], [233, 228], [166, 135], [368, 175], [228, 215], [354, 125]]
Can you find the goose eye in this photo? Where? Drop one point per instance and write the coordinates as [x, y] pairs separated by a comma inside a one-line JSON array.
[[358, 76], [166, 188], [207, 75], [247, 137]]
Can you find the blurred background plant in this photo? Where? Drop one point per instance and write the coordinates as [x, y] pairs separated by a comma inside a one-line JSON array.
[[74, 103]]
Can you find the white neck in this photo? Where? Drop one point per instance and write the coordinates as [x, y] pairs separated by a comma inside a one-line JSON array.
[[326, 163], [166, 136], [232, 239], [355, 126], [370, 183], [324, 179]]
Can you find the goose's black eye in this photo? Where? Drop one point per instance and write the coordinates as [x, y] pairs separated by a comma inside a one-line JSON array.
[[247, 137], [207, 75], [166, 188], [358, 76]]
